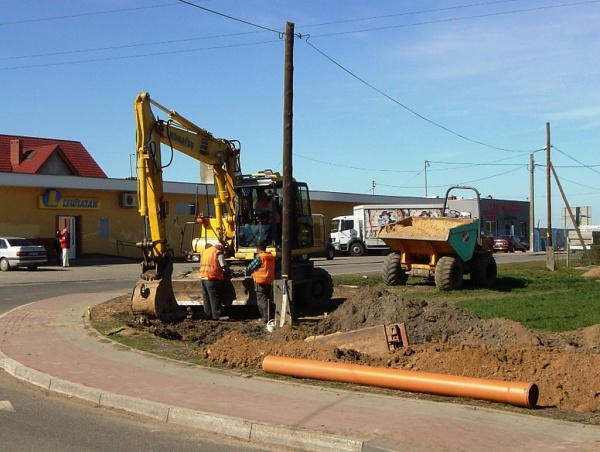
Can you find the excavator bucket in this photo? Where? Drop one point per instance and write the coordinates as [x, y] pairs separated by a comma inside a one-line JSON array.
[[237, 291], [156, 299]]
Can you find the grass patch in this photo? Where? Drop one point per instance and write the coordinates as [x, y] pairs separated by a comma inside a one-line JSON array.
[[526, 292]]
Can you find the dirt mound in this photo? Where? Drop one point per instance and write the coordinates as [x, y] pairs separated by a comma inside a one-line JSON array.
[[443, 339], [593, 272]]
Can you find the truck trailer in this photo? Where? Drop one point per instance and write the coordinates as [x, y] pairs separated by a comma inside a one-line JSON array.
[[356, 234]]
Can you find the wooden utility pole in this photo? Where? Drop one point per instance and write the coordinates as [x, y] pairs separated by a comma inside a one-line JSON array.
[[287, 307], [568, 206]]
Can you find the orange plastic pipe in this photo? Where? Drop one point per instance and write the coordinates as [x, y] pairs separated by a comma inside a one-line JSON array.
[[513, 393]]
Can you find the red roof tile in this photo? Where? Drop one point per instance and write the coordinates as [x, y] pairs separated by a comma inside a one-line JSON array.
[[73, 153]]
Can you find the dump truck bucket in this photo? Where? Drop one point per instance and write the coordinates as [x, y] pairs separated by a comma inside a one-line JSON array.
[[428, 236]]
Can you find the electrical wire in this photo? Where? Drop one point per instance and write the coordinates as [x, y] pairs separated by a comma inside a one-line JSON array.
[[410, 110], [575, 160], [455, 19], [353, 167]]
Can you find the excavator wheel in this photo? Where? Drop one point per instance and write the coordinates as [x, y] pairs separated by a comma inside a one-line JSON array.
[[483, 270], [321, 289], [449, 273], [392, 272]]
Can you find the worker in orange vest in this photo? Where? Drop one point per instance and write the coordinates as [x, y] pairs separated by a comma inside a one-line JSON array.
[[213, 269], [262, 268]]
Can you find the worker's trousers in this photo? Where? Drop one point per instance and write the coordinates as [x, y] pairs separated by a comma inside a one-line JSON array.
[[264, 300], [212, 297]]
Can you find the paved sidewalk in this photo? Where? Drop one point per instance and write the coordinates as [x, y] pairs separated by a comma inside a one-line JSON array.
[[49, 343]]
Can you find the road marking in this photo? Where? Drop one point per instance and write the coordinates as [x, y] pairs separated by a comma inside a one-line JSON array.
[[5, 405]]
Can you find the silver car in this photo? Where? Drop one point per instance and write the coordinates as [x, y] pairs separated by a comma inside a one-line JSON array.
[[20, 252]]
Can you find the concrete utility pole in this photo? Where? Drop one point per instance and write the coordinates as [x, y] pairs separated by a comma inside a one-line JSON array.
[[531, 198], [426, 166], [550, 263], [548, 194]]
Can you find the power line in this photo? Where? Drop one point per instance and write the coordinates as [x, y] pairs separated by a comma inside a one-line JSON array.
[[96, 60], [575, 160], [281, 34], [72, 16], [455, 19], [353, 167], [130, 46], [387, 16], [410, 110]]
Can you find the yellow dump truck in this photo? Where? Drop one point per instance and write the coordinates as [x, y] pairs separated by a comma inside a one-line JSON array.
[[443, 249]]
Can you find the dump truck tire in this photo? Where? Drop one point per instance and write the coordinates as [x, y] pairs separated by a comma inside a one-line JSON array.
[[484, 270], [392, 272], [449, 273], [321, 289]]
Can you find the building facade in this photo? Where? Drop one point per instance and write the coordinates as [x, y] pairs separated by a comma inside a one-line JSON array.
[[51, 184]]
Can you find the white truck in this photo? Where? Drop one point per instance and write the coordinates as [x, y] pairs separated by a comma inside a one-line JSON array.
[[356, 234]]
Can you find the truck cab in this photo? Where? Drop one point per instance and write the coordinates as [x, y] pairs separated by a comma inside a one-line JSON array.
[[342, 232]]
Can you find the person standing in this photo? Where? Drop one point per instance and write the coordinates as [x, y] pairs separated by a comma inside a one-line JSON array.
[[65, 243], [213, 269], [262, 268]]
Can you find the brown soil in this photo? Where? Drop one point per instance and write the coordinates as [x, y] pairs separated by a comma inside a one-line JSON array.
[[443, 339]]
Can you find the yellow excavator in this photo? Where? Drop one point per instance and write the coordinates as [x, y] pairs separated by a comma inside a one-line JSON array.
[[247, 209]]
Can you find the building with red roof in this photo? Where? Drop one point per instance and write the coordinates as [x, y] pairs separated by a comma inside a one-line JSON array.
[[31, 155]]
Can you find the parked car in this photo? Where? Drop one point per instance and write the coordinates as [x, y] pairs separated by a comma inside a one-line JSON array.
[[20, 252], [508, 243]]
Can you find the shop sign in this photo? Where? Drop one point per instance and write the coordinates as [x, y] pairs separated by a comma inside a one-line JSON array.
[[52, 199]]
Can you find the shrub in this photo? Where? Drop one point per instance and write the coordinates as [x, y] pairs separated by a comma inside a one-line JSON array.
[[592, 256]]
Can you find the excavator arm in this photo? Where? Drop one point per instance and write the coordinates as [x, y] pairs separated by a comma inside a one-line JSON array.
[[220, 155]]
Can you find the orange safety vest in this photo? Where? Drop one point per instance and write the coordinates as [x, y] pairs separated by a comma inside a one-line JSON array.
[[265, 274], [209, 265]]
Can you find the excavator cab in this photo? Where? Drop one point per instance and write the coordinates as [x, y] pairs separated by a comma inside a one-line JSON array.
[[259, 215]]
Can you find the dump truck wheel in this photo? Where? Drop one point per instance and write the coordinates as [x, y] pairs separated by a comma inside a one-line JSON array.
[[484, 270], [321, 289], [392, 272], [357, 249], [448, 273]]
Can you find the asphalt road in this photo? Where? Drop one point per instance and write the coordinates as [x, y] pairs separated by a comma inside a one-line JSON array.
[[343, 265], [21, 286], [34, 420]]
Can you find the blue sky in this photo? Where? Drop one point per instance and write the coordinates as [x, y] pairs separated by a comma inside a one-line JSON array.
[[390, 97]]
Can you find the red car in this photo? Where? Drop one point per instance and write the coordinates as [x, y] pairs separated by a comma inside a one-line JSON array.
[[508, 243]]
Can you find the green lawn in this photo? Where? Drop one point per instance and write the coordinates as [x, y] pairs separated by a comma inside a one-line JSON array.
[[527, 292]]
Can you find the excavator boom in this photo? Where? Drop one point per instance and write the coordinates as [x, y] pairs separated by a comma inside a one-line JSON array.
[[153, 295]]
